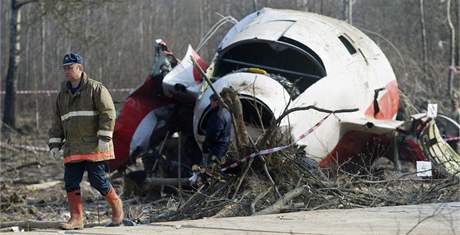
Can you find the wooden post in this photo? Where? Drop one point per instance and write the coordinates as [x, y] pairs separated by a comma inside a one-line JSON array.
[[397, 163], [232, 100]]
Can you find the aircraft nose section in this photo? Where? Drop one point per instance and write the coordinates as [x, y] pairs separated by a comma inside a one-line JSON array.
[[263, 99]]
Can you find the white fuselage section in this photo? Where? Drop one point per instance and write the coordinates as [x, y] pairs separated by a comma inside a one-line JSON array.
[[342, 66]]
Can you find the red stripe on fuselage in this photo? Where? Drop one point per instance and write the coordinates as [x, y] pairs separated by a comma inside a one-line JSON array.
[[142, 101], [388, 103], [350, 146], [352, 142]]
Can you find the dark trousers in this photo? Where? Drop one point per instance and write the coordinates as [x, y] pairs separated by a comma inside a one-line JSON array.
[[97, 176]]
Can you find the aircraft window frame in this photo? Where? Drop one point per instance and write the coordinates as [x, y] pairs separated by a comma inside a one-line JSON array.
[[348, 44], [226, 61]]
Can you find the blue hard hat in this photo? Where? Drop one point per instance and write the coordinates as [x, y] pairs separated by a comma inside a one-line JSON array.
[[72, 58]]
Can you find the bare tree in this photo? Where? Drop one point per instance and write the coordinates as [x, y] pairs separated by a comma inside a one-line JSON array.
[[350, 12], [59, 10], [116, 40], [1, 36], [424, 43], [458, 26], [347, 10], [9, 116], [452, 50]]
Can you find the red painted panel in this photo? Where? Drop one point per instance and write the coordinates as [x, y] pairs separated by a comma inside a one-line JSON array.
[[137, 106], [388, 103], [350, 146], [202, 64]]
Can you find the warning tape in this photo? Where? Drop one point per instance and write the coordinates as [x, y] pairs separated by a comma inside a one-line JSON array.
[[48, 92], [452, 139], [276, 149], [25, 147]]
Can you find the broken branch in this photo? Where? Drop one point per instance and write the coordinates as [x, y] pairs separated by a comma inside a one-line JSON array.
[[280, 204]]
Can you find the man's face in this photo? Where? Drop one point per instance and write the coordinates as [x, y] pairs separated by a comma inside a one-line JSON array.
[[72, 72], [213, 104]]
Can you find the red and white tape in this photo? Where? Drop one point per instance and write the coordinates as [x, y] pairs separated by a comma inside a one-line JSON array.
[[449, 139], [48, 92], [276, 149], [25, 147]]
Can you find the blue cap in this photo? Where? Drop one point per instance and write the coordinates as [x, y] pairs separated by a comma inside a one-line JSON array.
[[72, 58]]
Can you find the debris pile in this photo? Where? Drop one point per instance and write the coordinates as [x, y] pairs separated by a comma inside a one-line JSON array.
[[285, 181], [289, 180], [298, 186]]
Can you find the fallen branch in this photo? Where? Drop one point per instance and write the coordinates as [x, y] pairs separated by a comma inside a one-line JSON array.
[[257, 199], [22, 166], [270, 131], [242, 178], [154, 181], [29, 148], [287, 112], [41, 186], [229, 210], [280, 204]]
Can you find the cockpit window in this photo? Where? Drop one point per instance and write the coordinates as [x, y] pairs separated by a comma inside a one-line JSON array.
[[350, 48], [294, 65]]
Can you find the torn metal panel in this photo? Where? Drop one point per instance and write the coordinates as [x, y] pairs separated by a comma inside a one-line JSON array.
[[370, 125], [439, 152], [135, 122], [184, 80]]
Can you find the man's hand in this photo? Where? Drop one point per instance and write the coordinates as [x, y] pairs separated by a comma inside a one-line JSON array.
[[55, 153], [103, 146], [205, 160]]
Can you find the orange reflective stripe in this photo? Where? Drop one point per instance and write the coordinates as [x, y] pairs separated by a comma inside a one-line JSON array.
[[91, 157]]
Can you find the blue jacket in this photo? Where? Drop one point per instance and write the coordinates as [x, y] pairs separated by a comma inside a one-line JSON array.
[[218, 132]]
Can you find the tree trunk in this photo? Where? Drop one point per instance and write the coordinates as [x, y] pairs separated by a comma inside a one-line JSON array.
[[1, 36], [424, 43], [458, 26], [9, 116], [232, 100], [321, 7], [452, 50], [350, 12], [43, 51]]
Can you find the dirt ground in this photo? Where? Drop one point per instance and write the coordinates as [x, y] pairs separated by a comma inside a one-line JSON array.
[[31, 188]]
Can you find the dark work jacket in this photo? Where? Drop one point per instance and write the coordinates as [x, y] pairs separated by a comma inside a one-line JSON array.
[[218, 132]]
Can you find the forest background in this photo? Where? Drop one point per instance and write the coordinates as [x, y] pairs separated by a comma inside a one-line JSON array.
[[116, 37]]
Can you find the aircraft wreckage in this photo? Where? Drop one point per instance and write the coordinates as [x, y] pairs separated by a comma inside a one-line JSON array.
[[337, 80]]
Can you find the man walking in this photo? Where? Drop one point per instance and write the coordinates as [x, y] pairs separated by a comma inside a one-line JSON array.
[[83, 123]]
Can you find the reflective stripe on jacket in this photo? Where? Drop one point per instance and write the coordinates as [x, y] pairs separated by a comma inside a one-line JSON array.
[[81, 119]]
